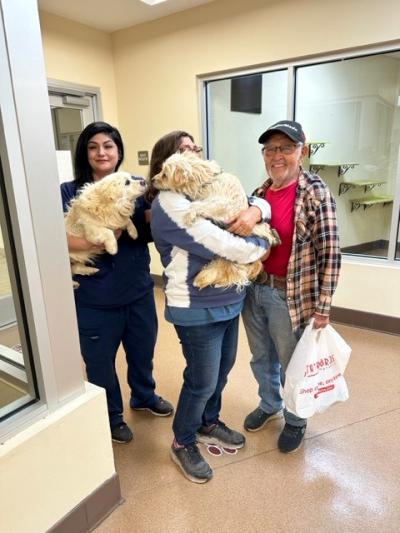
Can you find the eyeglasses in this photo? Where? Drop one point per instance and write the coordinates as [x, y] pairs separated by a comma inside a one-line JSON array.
[[286, 149], [194, 148]]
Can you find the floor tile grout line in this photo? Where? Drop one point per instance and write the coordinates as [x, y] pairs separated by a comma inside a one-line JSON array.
[[266, 452], [311, 437]]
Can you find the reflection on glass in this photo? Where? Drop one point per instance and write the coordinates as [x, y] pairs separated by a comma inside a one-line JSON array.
[[350, 112], [233, 135], [67, 125], [16, 379]]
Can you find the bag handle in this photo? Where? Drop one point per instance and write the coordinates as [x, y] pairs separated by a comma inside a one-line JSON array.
[[316, 332]]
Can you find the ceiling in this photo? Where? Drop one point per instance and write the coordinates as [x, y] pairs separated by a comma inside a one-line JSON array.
[[112, 15]]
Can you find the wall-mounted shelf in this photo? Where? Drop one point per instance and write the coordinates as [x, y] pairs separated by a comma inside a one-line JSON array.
[[315, 146], [342, 167], [368, 185], [366, 202]]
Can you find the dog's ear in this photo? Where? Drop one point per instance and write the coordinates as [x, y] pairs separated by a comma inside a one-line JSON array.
[[96, 210], [201, 170], [179, 171], [114, 190], [213, 167], [124, 206]]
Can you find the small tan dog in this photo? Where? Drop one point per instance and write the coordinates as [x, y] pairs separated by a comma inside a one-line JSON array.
[[102, 207], [218, 196]]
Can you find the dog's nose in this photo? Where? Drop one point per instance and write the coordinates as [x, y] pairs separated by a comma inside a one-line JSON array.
[[142, 182]]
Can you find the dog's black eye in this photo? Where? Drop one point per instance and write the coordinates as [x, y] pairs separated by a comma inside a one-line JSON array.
[[127, 182]]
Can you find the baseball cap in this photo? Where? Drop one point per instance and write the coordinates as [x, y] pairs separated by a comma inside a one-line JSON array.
[[290, 128]]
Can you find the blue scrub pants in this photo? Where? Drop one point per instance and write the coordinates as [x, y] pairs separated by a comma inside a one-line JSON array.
[[101, 331]]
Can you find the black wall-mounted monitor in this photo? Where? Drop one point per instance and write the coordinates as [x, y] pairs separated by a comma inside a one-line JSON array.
[[246, 93]]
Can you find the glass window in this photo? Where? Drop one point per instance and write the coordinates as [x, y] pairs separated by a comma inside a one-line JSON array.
[[233, 135], [17, 381], [350, 112], [67, 126]]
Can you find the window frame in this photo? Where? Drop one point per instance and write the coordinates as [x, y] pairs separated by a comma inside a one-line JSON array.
[[292, 66], [29, 162]]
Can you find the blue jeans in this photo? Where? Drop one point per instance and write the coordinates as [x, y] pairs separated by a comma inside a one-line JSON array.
[[101, 331], [210, 352], [272, 342]]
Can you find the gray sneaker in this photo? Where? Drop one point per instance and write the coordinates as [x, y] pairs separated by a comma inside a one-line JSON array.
[[192, 463], [257, 419], [221, 435]]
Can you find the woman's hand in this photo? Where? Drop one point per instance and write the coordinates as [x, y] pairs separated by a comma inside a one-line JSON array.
[[79, 244], [244, 223]]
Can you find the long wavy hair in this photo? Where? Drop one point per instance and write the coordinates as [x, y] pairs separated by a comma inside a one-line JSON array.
[[82, 170], [164, 147]]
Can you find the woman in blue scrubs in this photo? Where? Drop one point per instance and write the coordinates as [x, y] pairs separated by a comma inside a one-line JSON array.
[[116, 305]]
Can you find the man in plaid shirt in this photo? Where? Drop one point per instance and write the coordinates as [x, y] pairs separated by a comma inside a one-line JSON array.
[[299, 277]]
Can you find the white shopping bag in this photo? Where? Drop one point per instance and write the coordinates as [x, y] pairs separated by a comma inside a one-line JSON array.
[[314, 377]]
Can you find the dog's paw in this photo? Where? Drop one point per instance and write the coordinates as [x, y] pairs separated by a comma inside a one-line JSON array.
[[111, 247], [83, 270], [189, 218], [132, 231], [87, 271]]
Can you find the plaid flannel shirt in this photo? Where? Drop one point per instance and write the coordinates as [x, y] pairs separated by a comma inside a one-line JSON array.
[[315, 259]]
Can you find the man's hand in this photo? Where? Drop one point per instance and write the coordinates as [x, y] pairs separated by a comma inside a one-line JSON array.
[[320, 321], [244, 223]]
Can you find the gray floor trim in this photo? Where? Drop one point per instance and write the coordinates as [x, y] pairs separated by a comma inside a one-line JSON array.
[[362, 319], [350, 317]]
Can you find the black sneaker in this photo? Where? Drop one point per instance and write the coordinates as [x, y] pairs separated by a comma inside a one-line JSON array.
[[192, 463], [160, 408], [291, 438], [121, 433], [257, 419], [221, 435]]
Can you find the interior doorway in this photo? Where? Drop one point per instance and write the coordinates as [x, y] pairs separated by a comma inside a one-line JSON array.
[[73, 107]]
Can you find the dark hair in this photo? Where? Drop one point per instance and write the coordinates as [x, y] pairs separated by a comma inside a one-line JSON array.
[[83, 171], [164, 147]]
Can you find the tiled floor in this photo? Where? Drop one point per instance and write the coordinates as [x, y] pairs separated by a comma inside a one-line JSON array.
[[345, 478]]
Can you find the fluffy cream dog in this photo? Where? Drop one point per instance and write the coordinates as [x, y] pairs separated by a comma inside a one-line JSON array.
[[218, 196], [102, 207]]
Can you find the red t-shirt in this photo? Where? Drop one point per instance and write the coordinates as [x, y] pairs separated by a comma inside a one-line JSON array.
[[282, 207]]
